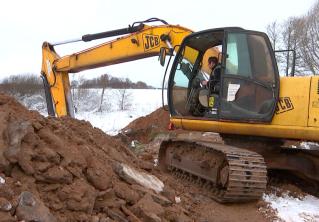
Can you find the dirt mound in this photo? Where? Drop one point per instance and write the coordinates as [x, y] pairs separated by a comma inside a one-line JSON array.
[[144, 129], [66, 170]]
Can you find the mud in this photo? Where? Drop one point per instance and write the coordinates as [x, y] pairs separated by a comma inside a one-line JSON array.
[[145, 129], [63, 170], [66, 170]]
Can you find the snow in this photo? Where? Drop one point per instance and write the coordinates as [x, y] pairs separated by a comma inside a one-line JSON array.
[[111, 120], [2, 181], [110, 123], [292, 209], [309, 145], [155, 162]]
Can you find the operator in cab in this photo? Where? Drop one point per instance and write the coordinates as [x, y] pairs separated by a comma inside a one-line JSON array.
[[214, 79], [202, 84], [215, 68], [202, 79]]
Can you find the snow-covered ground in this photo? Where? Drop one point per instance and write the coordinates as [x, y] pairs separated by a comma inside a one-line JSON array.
[[140, 102], [291, 209], [118, 109]]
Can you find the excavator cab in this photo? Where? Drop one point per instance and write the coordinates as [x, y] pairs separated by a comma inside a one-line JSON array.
[[248, 87]]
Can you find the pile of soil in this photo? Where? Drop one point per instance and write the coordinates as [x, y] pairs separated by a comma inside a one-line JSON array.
[[146, 128], [62, 169]]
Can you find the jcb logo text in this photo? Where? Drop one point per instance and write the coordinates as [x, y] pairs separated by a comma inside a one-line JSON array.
[[284, 104], [150, 42]]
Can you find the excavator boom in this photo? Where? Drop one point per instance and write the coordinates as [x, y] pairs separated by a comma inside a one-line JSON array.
[[140, 42]]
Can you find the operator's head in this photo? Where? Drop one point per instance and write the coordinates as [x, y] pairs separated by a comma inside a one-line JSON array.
[[212, 62]]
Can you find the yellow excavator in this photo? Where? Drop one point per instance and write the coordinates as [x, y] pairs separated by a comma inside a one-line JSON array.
[[254, 109]]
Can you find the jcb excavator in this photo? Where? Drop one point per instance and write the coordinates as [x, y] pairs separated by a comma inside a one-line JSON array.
[[250, 105]]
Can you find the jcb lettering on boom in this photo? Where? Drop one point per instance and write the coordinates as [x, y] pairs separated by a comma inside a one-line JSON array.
[[151, 42]]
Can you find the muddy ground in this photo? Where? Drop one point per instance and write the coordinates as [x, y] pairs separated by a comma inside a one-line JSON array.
[[66, 170]]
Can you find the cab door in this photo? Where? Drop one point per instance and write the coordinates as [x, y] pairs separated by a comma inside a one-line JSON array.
[[249, 78]]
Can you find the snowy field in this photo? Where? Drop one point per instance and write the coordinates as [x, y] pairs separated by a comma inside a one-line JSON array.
[[112, 118], [120, 107]]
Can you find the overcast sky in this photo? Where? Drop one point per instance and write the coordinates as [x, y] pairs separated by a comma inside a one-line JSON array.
[[25, 24]]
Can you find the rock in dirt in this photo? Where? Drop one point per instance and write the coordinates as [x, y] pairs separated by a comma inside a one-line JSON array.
[[55, 174], [79, 196], [169, 193], [158, 198], [116, 216], [148, 209], [126, 192], [99, 175], [16, 131], [30, 208], [5, 205], [132, 176]]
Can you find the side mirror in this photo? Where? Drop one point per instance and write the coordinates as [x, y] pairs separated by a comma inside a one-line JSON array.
[[162, 56]]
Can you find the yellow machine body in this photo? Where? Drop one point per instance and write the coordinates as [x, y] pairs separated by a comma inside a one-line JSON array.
[[297, 110], [296, 115]]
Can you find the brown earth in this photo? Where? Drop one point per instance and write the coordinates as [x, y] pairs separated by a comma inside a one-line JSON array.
[[146, 128], [66, 170]]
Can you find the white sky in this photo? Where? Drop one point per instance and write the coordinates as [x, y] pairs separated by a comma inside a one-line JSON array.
[[25, 25]]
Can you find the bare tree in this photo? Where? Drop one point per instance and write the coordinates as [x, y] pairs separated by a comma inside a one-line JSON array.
[[74, 85], [309, 47], [124, 99], [297, 36], [300, 34], [287, 36], [314, 30], [273, 32], [104, 82]]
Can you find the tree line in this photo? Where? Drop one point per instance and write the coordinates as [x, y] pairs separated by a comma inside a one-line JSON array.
[[300, 34], [107, 81], [28, 84]]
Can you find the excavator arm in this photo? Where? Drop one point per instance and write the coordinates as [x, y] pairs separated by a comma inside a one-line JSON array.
[[140, 41]]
